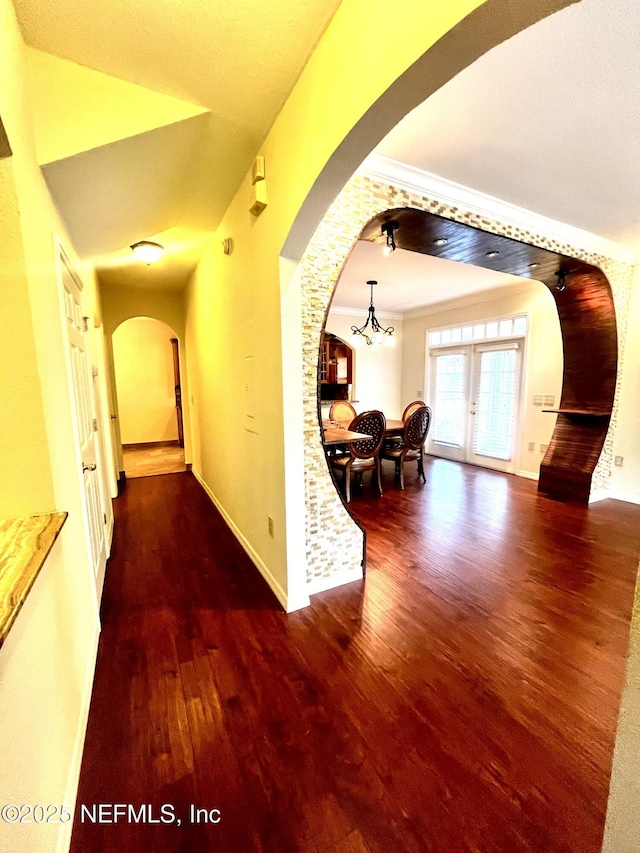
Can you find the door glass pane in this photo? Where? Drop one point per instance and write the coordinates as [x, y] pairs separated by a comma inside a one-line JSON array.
[[449, 405], [495, 404]]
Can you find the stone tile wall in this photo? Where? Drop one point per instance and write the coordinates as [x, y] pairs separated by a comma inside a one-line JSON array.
[[334, 541]]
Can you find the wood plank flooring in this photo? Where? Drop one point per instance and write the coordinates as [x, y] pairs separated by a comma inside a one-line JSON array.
[[141, 460], [463, 698]]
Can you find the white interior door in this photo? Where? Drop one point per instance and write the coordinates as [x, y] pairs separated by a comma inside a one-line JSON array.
[[475, 397], [86, 424]]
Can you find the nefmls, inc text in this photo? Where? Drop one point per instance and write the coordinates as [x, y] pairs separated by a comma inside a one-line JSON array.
[[145, 813]]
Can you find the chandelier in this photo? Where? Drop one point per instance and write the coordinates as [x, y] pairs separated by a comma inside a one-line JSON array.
[[372, 333]]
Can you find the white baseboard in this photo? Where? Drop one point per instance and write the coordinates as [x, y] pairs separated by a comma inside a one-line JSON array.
[[627, 497], [296, 603], [529, 475], [64, 834], [333, 581]]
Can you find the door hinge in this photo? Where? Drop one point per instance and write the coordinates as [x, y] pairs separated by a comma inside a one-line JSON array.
[[85, 324], [95, 425], [104, 515], [94, 371]]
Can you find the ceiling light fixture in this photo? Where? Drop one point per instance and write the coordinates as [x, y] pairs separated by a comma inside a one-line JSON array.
[[389, 228], [533, 266], [561, 284], [147, 251], [441, 241], [378, 334], [492, 254]]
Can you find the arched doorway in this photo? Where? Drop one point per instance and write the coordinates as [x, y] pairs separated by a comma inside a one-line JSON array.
[[148, 386], [586, 312]]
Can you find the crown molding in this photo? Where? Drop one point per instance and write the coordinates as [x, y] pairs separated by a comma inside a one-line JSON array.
[[414, 180]]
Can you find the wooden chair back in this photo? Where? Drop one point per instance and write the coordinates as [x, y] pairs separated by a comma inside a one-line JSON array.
[[416, 428], [372, 423], [411, 408], [341, 411]]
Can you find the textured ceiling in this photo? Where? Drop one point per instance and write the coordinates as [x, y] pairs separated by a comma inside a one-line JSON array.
[[148, 115], [549, 121], [237, 59]]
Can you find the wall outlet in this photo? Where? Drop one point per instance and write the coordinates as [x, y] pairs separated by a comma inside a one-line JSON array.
[[543, 448], [618, 460], [270, 525], [549, 400], [537, 399], [532, 445]]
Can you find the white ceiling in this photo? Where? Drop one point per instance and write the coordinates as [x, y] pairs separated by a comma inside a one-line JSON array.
[[408, 281], [549, 121]]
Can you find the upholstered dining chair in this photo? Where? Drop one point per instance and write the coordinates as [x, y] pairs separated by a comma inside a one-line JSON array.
[[410, 448], [342, 411], [362, 455]]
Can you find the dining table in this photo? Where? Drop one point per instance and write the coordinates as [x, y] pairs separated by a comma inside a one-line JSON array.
[[338, 432], [393, 427]]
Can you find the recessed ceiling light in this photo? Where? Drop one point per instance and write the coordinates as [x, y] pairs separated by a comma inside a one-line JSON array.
[[492, 254], [147, 251], [441, 241]]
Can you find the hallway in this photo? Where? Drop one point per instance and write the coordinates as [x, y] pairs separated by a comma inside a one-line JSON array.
[[464, 698]]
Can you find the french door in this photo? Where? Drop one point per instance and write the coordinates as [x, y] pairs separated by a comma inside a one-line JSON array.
[[475, 397]]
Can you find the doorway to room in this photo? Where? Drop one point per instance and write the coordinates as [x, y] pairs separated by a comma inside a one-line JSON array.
[[476, 387], [146, 354]]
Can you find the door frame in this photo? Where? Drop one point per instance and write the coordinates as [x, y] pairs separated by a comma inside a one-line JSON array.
[[511, 466]]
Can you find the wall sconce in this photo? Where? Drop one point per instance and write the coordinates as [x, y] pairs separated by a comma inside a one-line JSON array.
[[147, 251], [389, 228]]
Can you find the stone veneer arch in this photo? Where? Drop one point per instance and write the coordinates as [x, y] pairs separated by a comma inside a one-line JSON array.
[[334, 542]]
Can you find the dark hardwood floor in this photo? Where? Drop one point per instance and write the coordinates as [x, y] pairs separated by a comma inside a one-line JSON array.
[[463, 698]]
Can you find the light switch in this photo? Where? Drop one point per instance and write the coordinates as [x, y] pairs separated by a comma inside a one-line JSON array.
[[537, 399]]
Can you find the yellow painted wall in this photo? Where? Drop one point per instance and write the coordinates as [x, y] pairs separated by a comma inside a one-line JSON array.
[[143, 360], [44, 713], [234, 334], [626, 480], [543, 364], [25, 472]]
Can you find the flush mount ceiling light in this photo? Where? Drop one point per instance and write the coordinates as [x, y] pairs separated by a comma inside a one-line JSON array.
[[147, 251], [493, 254], [533, 266], [441, 241], [389, 228], [377, 334]]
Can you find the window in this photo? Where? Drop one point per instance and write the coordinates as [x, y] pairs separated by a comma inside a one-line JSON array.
[[507, 327]]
